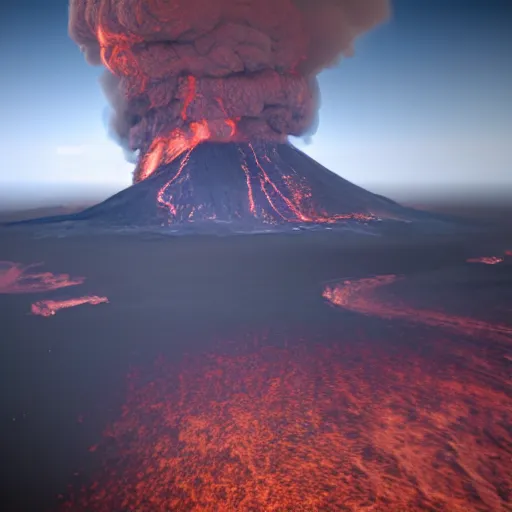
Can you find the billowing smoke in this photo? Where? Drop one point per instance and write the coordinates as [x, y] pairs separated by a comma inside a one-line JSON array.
[[216, 69]]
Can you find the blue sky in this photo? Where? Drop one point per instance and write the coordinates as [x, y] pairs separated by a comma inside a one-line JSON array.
[[424, 107]]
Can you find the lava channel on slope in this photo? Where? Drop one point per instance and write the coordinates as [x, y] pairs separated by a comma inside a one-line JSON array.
[[274, 197], [246, 185], [310, 428]]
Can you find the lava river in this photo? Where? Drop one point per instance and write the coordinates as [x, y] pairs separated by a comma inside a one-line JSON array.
[[16, 278], [359, 296]]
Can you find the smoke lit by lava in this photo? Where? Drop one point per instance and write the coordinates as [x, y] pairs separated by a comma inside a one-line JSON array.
[[185, 71]]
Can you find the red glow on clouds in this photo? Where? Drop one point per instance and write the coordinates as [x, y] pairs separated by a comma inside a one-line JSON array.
[[19, 278]]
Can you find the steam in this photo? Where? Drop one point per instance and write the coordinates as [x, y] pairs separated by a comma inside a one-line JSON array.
[[248, 64]]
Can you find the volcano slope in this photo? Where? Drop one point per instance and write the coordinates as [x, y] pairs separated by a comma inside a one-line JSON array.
[[244, 187]]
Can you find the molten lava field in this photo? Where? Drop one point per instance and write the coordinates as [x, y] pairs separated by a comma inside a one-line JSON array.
[[256, 374]]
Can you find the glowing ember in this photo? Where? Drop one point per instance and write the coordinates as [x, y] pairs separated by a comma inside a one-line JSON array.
[[359, 296], [50, 307], [487, 260], [352, 427], [19, 278]]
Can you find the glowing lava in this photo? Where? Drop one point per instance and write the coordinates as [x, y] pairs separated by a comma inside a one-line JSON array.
[[274, 191], [191, 95], [167, 203], [487, 260], [359, 296], [165, 150], [19, 278], [50, 307], [313, 428]]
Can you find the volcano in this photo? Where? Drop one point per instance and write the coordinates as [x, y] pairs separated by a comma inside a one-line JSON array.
[[246, 187], [205, 95]]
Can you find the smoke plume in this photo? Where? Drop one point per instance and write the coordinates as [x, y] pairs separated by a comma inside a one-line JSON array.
[[191, 70]]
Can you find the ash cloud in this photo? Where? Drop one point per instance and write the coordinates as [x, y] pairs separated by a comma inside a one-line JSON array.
[[171, 63]]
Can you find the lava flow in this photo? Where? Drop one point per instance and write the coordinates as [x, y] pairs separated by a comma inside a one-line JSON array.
[[274, 192], [359, 296], [50, 307], [19, 278], [165, 150], [487, 260], [365, 426]]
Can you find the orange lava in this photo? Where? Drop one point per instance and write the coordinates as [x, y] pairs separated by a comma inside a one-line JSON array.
[[264, 180], [50, 307], [250, 194], [191, 94], [313, 428], [298, 200], [359, 296], [487, 260], [19, 278], [290, 202], [166, 150], [161, 197]]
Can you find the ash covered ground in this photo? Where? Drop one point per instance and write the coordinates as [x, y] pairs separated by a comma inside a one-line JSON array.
[[219, 374]]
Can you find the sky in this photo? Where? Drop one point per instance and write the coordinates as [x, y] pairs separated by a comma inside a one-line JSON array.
[[423, 109]]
